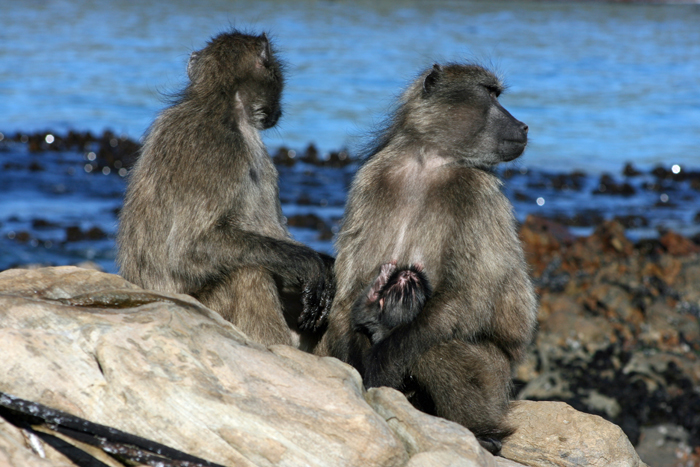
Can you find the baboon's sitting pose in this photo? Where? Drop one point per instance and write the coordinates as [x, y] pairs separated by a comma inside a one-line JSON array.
[[202, 214], [427, 196]]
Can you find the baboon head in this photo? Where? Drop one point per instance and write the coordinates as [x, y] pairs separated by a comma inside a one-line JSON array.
[[455, 108], [243, 70]]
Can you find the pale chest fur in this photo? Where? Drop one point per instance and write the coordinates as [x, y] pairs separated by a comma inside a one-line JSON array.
[[393, 222], [259, 209]]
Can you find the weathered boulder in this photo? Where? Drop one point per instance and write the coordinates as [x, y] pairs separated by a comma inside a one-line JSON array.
[[431, 441], [554, 434], [168, 369]]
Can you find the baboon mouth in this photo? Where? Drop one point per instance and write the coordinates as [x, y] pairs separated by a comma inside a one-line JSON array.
[[513, 149]]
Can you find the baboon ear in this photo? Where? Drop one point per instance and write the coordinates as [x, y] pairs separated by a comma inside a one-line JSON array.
[[431, 80], [191, 65], [265, 51]]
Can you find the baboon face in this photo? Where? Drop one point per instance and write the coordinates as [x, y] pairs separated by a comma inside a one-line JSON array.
[[240, 63], [464, 102]]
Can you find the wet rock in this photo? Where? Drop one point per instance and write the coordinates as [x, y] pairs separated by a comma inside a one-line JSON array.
[[586, 218], [520, 196], [607, 185], [632, 221], [288, 157], [285, 156], [338, 159], [106, 153], [630, 171], [311, 221], [573, 181], [311, 155], [619, 328], [661, 172], [75, 234], [678, 245], [610, 238], [43, 224], [22, 236], [95, 233], [542, 240]]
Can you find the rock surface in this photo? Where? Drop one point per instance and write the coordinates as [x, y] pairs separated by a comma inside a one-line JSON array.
[[553, 433], [166, 368], [619, 331]]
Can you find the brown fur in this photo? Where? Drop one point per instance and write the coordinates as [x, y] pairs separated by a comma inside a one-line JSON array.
[[426, 196], [202, 214]]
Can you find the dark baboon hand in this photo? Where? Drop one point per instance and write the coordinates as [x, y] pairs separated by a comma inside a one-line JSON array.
[[317, 296]]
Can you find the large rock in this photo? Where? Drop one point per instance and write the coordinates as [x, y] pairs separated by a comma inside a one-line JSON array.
[[431, 441], [168, 369], [554, 434]]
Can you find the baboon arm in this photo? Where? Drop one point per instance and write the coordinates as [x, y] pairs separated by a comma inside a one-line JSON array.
[[298, 266], [515, 322]]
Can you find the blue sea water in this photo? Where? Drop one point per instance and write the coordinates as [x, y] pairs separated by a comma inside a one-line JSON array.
[[599, 85]]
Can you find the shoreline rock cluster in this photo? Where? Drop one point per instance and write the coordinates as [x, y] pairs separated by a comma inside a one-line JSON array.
[[619, 332], [619, 321], [167, 369]]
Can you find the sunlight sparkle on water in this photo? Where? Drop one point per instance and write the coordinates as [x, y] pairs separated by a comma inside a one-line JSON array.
[[676, 169], [540, 201]]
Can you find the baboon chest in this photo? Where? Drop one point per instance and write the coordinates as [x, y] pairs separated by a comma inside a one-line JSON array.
[[414, 224], [257, 205]]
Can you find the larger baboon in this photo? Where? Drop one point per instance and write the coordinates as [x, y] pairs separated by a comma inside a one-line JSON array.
[[202, 214], [427, 195]]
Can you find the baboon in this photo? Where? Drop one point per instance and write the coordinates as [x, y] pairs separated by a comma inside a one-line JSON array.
[[427, 195], [202, 214], [395, 297]]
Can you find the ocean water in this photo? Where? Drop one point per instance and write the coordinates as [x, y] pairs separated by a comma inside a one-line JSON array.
[[599, 85]]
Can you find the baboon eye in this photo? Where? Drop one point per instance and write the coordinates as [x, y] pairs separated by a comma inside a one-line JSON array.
[[494, 92]]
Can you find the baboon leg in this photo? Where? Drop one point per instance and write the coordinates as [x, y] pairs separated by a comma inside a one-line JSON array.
[[249, 299], [478, 378]]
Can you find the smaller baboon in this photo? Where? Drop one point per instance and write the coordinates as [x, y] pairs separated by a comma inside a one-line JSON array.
[[202, 214], [395, 297], [427, 196]]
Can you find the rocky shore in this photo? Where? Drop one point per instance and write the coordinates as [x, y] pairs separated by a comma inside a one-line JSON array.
[[87, 172], [619, 333], [96, 371], [619, 290]]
